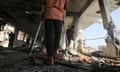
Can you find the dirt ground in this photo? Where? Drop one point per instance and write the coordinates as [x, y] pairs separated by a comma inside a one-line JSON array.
[[13, 61]]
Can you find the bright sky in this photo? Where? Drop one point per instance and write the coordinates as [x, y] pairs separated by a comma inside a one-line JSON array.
[[97, 31], [95, 35], [116, 18]]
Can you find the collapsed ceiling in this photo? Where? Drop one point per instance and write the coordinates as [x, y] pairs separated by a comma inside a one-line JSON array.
[[26, 14], [93, 13], [16, 12]]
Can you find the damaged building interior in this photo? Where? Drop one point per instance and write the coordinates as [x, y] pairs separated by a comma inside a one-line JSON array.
[[21, 21]]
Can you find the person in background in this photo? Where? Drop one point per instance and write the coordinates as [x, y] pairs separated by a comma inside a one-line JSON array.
[[69, 34], [11, 39], [54, 18]]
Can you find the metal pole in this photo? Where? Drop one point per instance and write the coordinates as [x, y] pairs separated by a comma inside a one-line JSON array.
[[36, 36], [38, 30]]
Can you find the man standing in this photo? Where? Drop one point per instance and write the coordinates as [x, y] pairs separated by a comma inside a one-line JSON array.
[[54, 15], [11, 39], [69, 34]]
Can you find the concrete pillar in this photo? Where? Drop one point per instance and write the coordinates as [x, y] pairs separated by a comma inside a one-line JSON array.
[[111, 48], [78, 38], [16, 32]]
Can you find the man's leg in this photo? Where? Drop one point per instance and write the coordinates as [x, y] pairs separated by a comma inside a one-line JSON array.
[[49, 37], [58, 27]]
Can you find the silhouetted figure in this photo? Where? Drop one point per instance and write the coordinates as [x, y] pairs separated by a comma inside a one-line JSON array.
[[69, 34], [11, 39], [27, 42]]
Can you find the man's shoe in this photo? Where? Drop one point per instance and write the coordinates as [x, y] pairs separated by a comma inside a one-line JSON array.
[[49, 61]]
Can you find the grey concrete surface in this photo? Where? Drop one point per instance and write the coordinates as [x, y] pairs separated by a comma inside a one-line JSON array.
[[13, 61]]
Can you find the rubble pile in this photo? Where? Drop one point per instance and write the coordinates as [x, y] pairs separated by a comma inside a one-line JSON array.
[[13, 61]]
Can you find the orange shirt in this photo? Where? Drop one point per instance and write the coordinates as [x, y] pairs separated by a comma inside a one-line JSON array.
[[54, 9]]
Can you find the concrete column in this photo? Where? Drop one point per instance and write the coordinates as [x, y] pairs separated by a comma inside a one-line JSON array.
[[78, 38], [111, 49], [104, 13], [16, 32]]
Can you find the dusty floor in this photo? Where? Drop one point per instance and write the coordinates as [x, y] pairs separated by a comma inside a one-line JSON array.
[[13, 61]]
